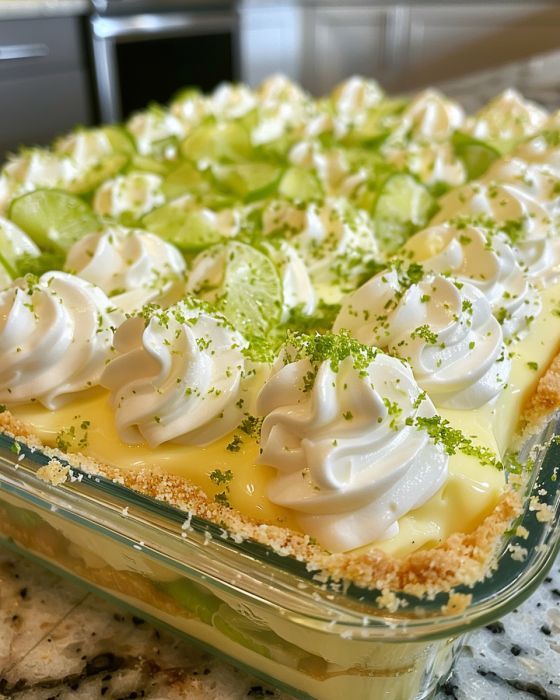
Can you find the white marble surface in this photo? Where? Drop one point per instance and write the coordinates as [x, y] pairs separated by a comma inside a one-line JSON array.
[[59, 642]]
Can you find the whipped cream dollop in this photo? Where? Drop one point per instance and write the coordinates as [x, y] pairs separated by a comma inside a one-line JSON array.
[[356, 96], [343, 436], [152, 126], [190, 107], [131, 266], [176, 377], [444, 329], [129, 197], [531, 178], [231, 101], [508, 205], [86, 147], [486, 260], [331, 167], [432, 163], [282, 107], [523, 210], [33, 169], [56, 336], [508, 118], [278, 89], [544, 147], [335, 241], [430, 116]]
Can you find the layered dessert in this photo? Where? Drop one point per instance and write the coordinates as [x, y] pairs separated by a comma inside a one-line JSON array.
[[322, 324]]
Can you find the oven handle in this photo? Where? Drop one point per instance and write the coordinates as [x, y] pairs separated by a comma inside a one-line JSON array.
[[156, 25], [18, 52]]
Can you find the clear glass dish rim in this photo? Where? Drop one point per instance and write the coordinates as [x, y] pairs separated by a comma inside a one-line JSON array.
[[250, 570]]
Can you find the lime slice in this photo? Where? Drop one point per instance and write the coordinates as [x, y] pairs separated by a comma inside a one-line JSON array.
[[55, 220], [377, 125], [186, 179], [300, 184], [120, 139], [249, 181], [14, 243], [403, 206], [218, 142], [477, 156], [91, 178], [106, 149], [192, 597], [189, 229], [39, 264], [241, 630], [150, 165], [5, 277], [251, 294]]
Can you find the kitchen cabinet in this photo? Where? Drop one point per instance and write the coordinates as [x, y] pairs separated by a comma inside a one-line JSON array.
[[341, 41], [44, 81], [270, 42], [404, 45], [438, 42]]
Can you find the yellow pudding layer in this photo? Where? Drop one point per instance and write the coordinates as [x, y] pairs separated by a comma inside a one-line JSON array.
[[87, 425]]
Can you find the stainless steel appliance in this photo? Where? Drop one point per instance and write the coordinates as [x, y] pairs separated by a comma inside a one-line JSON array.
[[145, 50]]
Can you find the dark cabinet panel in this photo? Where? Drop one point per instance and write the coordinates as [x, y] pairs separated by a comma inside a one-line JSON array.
[[37, 108], [44, 83], [39, 45]]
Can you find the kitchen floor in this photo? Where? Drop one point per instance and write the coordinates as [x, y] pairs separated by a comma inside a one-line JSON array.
[[58, 641]]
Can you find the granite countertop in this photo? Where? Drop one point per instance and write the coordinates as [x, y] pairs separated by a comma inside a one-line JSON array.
[[57, 641]]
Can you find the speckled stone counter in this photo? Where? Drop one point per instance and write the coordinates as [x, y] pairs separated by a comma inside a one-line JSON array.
[[59, 642]]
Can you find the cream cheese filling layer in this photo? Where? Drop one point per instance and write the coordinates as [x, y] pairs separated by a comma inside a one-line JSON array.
[[470, 493]]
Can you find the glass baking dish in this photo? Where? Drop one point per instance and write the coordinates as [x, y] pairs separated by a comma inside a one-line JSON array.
[[260, 611]]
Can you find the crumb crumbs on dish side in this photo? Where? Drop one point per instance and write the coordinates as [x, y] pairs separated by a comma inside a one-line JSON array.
[[463, 558]]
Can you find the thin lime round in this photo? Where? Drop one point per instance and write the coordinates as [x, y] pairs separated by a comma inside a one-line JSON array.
[[92, 177], [477, 156], [185, 179], [180, 223], [218, 142], [300, 185], [249, 181], [252, 291], [55, 220], [403, 205]]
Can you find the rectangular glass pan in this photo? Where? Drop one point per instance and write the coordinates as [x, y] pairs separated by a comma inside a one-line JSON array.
[[264, 612]]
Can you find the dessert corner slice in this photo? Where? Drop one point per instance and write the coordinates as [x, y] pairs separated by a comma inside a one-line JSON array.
[[464, 558]]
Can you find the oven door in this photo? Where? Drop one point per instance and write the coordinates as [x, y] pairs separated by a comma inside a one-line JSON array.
[[147, 57]]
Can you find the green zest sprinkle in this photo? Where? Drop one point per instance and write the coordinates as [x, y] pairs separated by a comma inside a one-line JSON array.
[[251, 426], [453, 440], [219, 477], [235, 444], [394, 411], [329, 347], [426, 333], [222, 499]]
